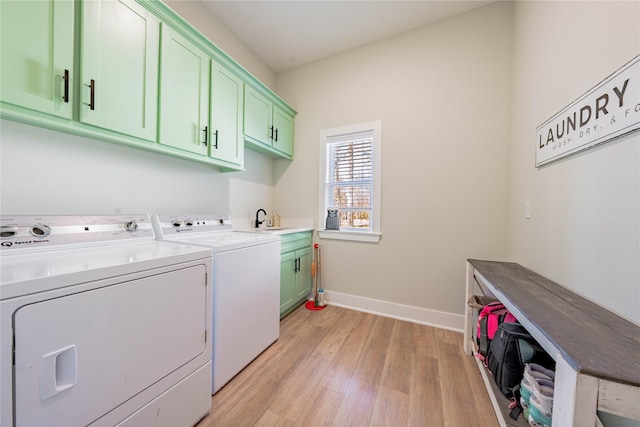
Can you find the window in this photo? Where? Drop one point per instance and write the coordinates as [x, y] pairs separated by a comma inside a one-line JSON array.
[[350, 181]]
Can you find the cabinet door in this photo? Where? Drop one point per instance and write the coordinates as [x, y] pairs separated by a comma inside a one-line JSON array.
[[287, 280], [283, 131], [257, 116], [120, 55], [184, 94], [303, 276], [36, 53], [226, 115]]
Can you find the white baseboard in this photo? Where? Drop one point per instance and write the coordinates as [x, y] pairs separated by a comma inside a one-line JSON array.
[[438, 319]]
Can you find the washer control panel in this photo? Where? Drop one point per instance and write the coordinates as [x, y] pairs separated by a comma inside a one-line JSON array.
[[46, 232], [168, 225]]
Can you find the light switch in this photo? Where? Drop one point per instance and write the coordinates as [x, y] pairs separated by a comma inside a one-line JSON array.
[[527, 209]]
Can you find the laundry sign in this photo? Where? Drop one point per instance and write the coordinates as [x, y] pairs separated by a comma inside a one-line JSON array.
[[609, 110]]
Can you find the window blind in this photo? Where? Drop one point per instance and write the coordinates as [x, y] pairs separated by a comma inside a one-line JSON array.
[[349, 180]]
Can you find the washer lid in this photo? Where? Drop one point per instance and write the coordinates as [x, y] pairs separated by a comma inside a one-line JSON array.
[[226, 240], [28, 272]]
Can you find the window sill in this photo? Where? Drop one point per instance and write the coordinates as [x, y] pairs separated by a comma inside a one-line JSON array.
[[354, 236]]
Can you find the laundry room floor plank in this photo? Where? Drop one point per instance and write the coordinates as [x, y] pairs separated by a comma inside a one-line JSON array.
[[425, 399], [340, 367]]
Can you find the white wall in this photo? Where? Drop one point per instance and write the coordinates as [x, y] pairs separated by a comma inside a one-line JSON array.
[[585, 229], [45, 172], [442, 93]]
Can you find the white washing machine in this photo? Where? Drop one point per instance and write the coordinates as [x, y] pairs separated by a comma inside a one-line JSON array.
[[101, 324], [246, 287]]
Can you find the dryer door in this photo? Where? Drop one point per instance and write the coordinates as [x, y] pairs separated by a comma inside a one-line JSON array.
[[80, 356]]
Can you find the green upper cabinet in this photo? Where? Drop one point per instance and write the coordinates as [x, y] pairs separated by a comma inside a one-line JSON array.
[[135, 73], [283, 131], [200, 102], [257, 116], [36, 55], [226, 115], [184, 94], [266, 126], [119, 67]]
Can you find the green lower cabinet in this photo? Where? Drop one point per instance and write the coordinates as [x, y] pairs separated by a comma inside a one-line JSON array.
[[295, 270], [287, 281], [303, 281]]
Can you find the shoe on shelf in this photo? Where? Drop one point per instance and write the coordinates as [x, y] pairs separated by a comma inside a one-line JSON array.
[[543, 388], [537, 381], [539, 412], [533, 370]]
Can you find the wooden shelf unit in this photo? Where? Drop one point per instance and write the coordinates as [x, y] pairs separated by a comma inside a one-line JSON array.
[[596, 351]]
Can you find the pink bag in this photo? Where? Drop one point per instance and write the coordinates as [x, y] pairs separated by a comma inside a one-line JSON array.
[[491, 316]]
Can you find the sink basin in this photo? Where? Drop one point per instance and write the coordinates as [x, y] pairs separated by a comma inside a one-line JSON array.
[[270, 229], [275, 230]]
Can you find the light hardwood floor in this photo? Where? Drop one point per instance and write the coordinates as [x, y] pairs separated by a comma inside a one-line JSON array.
[[339, 367]]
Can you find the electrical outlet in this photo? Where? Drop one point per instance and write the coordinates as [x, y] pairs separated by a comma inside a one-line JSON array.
[[527, 209]]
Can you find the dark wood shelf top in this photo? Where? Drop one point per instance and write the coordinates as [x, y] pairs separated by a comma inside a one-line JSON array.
[[593, 340]]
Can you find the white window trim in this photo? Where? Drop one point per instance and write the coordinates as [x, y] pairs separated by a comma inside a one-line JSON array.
[[375, 234]]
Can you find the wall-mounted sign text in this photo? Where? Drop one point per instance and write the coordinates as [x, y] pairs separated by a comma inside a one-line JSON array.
[[609, 110]]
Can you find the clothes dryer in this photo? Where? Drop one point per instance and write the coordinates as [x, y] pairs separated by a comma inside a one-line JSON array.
[[101, 324]]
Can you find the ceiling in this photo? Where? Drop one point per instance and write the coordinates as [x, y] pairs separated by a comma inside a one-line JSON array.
[[286, 34]]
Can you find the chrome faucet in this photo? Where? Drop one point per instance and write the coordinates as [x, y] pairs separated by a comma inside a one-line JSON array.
[[258, 222]]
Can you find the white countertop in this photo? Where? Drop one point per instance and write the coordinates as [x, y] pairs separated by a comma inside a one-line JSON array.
[[274, 230]]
